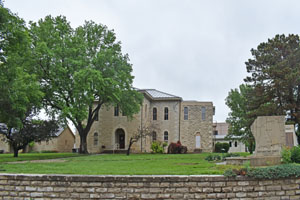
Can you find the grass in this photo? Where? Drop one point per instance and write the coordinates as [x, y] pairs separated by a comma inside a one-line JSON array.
[[34, 156], [118, 164]]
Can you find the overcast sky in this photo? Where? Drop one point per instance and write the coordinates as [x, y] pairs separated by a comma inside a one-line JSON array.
[[195, 49]]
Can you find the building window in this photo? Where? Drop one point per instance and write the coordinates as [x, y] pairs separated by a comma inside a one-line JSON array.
[[96, 117], [235, 143], [95, 139], [166, 113], [203, 113], [145, 110], [230, 144], [166, 136], [154, 113], [186, 113], [154, 136], [116, 111], [215, 132]]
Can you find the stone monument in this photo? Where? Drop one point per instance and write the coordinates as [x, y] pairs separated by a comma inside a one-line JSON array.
[[269, 134]]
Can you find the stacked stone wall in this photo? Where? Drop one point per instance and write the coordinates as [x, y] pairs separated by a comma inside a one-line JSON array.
[[14, 186]]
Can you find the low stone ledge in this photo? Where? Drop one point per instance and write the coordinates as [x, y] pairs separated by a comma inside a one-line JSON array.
[[51, 186]]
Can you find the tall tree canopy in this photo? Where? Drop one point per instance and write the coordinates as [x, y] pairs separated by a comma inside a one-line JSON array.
[[273, 82], [238, 118], [19, 88], [81, 70], [275, 77]]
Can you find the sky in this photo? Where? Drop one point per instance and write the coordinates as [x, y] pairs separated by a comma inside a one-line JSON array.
[[195, 49]]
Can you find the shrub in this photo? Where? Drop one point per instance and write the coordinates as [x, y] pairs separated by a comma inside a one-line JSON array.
[[286, 155], [295, 154], [272, 172], [230, 173], [222, 147], [157, 147], [275, 172], [213, 157]]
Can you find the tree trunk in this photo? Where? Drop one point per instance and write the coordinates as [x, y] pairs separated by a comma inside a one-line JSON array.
[[130, 143], [16, 151], [83, 144]]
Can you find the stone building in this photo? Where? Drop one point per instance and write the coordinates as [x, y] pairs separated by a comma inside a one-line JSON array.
[[220, 131], [63, 141], [167, 117]]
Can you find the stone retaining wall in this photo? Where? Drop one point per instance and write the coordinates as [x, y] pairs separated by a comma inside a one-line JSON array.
[[14, 186]]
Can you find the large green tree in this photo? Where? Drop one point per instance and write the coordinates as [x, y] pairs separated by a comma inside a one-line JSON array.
[[80, 71], [239, 118], [275, 78], [19, 87]]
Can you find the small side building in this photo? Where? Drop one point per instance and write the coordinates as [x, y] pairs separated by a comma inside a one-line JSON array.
[[62, 142], [220, 130]]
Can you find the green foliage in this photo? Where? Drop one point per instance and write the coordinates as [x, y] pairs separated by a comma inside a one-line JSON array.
[[221, 147], [229, 173], [286, 155], [19, 88], [213, 157], [275, 172], [295, 154], [83, 69], [274, 77], [157, 147], [31, 144], [238, 118], [217, 157]]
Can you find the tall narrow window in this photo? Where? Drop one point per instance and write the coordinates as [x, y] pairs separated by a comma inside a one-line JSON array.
[[166, 136], [203, 113], [116, 112], [186, 113], [145, 110], [154, 113], [166, 113], [235, 144], [95, 139], [154, 136], [97, 118], [230, 144]]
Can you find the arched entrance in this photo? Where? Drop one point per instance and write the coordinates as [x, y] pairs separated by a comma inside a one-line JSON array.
[[120, 138]]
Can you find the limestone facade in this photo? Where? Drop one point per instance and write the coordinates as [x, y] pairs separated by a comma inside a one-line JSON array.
[[62, 142], [161, 113]]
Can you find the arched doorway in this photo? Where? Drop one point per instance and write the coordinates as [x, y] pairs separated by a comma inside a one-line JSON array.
[[120, 138]]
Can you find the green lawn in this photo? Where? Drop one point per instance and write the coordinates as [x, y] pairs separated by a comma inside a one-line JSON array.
[[139, 164], [34, 156]]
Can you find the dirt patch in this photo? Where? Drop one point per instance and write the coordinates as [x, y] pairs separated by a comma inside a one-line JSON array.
[[39, 161]]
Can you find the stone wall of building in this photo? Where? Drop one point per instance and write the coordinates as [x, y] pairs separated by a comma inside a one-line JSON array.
[[14, 186], [4, 146], [195, 126], [171, 125], [62, 143]]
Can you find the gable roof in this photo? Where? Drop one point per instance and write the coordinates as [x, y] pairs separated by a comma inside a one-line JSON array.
[[61, 129], [159, 95]]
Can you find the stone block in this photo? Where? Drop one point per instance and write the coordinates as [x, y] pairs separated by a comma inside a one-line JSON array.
[[241, 194], [148, 196], [290, 187], [273, 187]]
